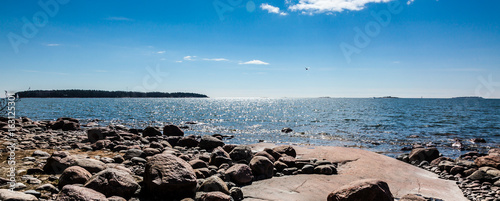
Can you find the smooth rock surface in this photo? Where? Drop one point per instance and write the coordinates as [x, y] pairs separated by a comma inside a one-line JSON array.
[[354, 164]]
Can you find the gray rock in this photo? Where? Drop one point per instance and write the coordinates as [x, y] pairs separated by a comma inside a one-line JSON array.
[[133, 153], [58, 162], [77, 193], [209, 142], [91, 165], [40, 153], [33, 192], [7, 195]]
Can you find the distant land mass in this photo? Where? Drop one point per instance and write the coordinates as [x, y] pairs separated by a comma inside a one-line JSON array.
[[77, 93]]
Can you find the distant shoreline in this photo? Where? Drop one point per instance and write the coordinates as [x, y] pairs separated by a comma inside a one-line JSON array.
[[77, 93]]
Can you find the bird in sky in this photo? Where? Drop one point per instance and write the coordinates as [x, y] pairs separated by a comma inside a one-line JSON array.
[[307, 68]]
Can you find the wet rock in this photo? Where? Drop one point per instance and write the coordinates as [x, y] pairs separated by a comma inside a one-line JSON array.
[[285, 149], [366, 190], [478, 140], [113, 182], [90, 165], [214, 183], [209, 142], [241, 153], [77, 193], [215, 196], [240, 174], [7, 195], [58, 162], [151, 131], [74, 175], [286, 130], [172, 130], [168, 175], [492, 160], [423, 154], [262, 167]]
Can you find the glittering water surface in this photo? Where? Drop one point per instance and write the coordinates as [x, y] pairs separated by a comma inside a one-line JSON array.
[[382, 125]]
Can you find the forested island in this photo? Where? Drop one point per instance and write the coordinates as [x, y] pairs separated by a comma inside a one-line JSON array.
[[77, 93]]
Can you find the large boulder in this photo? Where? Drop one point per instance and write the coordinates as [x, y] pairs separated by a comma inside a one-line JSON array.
[[215, 196], [113, 182], [241, 153], [96, 134], [262, 167], [285, 149], [240, 174], [485, 174], [492, 160], [7, 195], [167, 175], [362, 190], [214, 183], [66, 124], [423, 154], [74, 175], [172, 130], [58, 162], [77, 193], [151, 131], [188, 141], [209, 142]]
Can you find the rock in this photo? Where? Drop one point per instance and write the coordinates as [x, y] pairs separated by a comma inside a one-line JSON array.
[[138, 160], [116, 198], [262, 167], [236, 193], [33, 192], [478, 140], [96, 134], [77, 193], [362, 190], [74, 175], [308, 169], [215, 196], [118, 159], [48, 187], [485, 174], [169, 176], [240, 174], [188, 141], [492, 160], [286, 130], [219, 156], [101, 144], [325, 169], [197, 163], [423, 154], [172, 130], [40, 153], [58, 162], [280, 166], [90, 165], [133, 153], [151, 131], [112, 182], [288, 160], [267, 155], [412, 197], [214, 183], [457, 170], [446, 165], [494, 151], [436, 161], [7, 195], [241, 153], [285, 149], [209, 142]]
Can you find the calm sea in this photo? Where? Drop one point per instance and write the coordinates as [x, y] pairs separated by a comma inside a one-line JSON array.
[[381, 125]]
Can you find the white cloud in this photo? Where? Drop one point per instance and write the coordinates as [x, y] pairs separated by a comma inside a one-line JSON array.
[[322, 6], [216, 59], [272, 9], [161, 52], [189, 58], [178, 61], [52, 45], [255, 62], [410, 2]]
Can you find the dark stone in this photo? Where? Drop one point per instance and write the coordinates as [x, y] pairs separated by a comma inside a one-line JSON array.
[[151, 131], [262, 167], [286, 130], [209, 143], [77, 193], [112, 182], [240, 174], [366, 190], [286, 149], [241, 153], [172, 130], [74, 175]]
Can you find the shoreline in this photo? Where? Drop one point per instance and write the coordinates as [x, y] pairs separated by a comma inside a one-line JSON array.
[[99, 147]]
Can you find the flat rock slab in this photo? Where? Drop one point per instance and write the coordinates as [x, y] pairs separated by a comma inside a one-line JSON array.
[[354, 164]]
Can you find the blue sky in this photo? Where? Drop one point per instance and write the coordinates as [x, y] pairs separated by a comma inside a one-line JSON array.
[[254, 48]]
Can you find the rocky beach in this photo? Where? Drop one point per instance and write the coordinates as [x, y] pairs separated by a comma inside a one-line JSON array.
[[64, 160]]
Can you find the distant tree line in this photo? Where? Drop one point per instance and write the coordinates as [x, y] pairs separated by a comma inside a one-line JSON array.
[[77, 93]]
